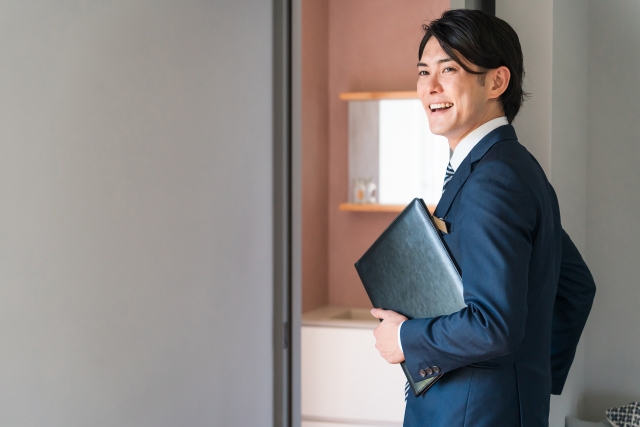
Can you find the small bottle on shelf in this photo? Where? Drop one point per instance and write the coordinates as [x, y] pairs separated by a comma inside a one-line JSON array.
[[359, 190]]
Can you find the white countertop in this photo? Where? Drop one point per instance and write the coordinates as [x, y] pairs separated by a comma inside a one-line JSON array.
[[340, 317]]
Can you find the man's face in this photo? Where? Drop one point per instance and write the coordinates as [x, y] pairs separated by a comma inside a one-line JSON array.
[[454, 100]]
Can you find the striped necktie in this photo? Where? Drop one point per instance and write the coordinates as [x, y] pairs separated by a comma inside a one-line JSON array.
[[447, 177]]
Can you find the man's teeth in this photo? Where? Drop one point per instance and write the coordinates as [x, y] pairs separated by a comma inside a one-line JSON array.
[[441, 105]]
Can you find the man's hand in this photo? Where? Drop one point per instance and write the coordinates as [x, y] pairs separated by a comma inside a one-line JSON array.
[[387, 334]]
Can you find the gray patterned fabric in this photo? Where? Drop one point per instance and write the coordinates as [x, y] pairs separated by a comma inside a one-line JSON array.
[[625, 416]]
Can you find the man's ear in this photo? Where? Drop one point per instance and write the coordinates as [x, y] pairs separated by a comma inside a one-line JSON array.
[[498, 81]]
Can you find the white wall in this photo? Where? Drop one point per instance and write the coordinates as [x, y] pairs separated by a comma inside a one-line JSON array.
[[135, 222], [613, 214]]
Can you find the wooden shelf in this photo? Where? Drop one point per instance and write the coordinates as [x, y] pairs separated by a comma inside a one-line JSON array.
[[363, 96], [374, 207], [370, 207]]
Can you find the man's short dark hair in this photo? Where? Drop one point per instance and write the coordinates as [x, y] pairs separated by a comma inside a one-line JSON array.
[[485, 41]]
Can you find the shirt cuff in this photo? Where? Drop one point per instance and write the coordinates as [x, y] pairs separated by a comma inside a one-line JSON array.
[[399, 340]]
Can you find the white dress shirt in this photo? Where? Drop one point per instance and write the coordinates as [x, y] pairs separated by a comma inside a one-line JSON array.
[[462, 150]]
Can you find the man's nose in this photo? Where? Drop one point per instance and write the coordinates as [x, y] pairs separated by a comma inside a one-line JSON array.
[[433, 85]]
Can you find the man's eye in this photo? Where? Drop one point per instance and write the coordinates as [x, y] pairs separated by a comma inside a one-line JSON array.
[[423, 73], [448, 69]]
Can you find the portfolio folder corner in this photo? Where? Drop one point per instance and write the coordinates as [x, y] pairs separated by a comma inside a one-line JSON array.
[[408, 269]]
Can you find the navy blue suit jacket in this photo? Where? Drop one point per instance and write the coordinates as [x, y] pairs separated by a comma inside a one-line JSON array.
[[527, 292]]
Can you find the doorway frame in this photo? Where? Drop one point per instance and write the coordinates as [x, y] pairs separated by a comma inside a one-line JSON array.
[[287, 212]]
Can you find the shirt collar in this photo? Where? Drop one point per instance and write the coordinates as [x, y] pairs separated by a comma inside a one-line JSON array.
[[468, 142]]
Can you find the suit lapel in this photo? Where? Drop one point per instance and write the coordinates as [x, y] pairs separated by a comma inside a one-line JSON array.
[[464, 170]]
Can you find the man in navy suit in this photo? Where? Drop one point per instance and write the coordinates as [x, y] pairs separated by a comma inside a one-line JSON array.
[[527, 290]]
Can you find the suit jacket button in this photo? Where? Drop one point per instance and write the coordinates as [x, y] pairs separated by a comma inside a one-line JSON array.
[[436, 370], [423, 373], [429, 371]]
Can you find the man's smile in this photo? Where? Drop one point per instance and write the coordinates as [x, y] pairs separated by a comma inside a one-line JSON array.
[[440, 106]]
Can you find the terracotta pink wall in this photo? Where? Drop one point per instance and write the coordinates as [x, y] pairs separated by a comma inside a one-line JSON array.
[[315, 140], [347, 45], [373, 46]]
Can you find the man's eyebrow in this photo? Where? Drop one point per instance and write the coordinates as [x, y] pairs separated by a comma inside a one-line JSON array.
[[440, 61]]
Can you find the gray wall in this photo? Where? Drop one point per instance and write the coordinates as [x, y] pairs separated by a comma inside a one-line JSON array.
[[613, 213], [594, 152], [582, 61], [136, 221], [569, 160], [594, 155], [533, 21], [552, 125]]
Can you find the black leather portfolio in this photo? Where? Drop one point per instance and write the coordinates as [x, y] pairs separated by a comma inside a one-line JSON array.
[[408, 269]]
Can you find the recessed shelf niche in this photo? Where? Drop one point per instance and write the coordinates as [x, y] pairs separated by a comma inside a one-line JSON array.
[[390, 144]]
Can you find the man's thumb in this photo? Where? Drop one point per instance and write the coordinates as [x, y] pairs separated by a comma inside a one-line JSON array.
[[379, 313]]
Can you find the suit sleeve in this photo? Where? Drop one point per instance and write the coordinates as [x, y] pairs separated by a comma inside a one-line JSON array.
[[576, 290], [496, 242]]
